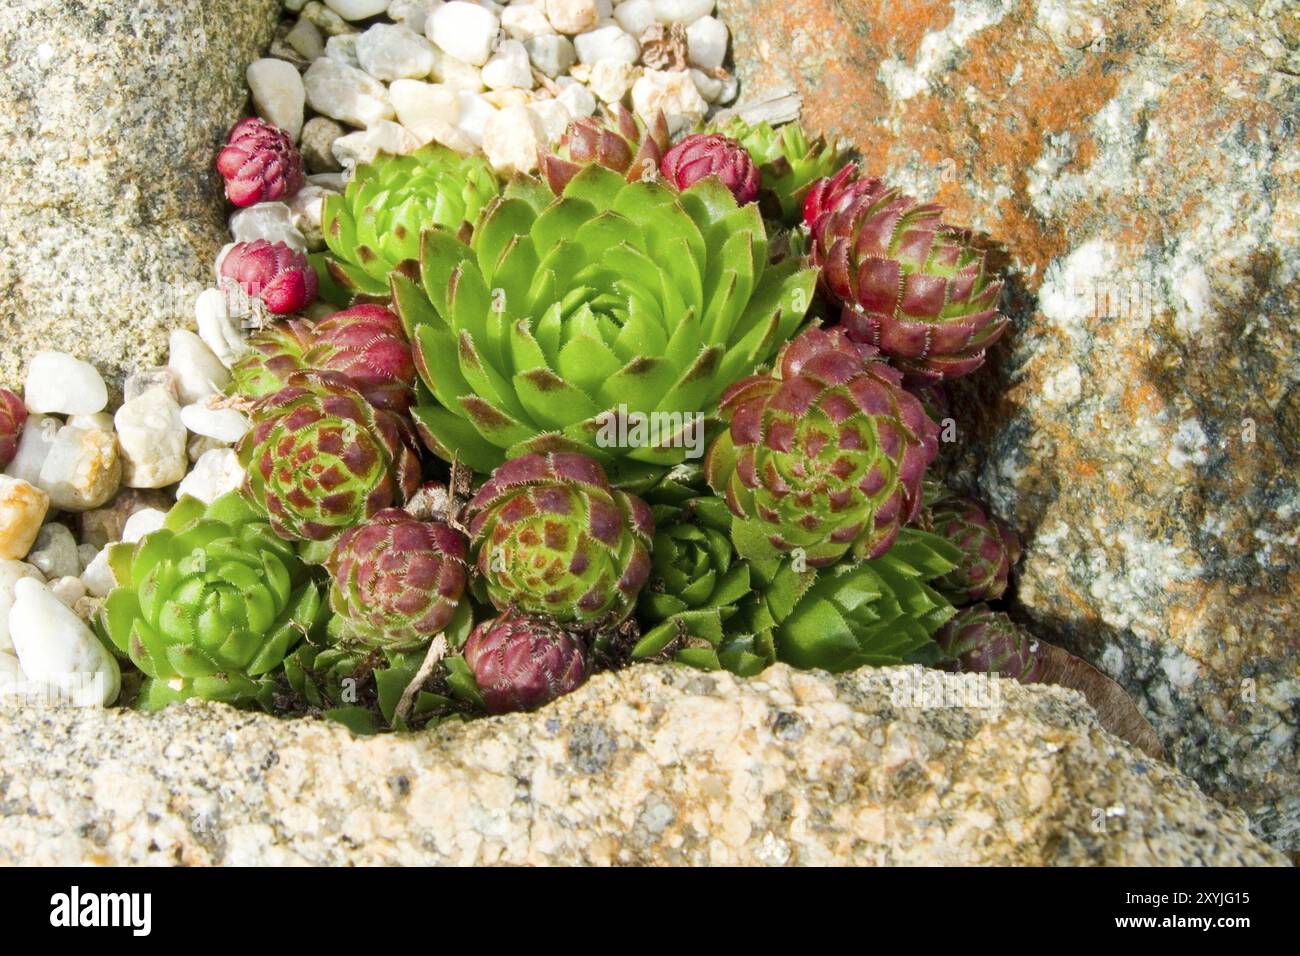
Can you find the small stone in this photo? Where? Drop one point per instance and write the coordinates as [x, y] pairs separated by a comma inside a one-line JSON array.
[[577, 100], [83, 469], [343, 49], [710, 87], [217, 472], [100, 421], [199, 373], [11, 572], [85, 554], [317, 149], [464, 30], [551, 53], [98, 576], [552, 118], [346, 93], [706, 43], [357, 9], [452, 72], [611, 79], [271, 221], [103, 526], [152, 437], [664, 47], [199, 445], [54, 552], [500, 99], [59, 384], [55, 647], [671, 92], [682, 11], [606, 43], [425, 109], [326, 20], [511, 139], [508, 68], [333, 182], [389, 52], [224, 424], [69, 590], [307, 207], [143, 522], [572, 16], [137, 383], [306, 38], [635, 16], [524, 21], [475, 112], [219, 330], [22, 510], [412, 14], [33, 448], [363, 146], [278, 94]]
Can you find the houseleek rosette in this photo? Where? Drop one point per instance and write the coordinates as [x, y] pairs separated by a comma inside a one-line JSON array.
[[562, 315], [208, 605], [377, 221], [788, 163]]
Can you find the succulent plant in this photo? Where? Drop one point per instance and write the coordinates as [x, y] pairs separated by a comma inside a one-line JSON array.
[[13, 415], [825, 455], [615, 140], [208, 605], [320, 458], [377, 222], [550, 536], [367, 344], [696, 578], [712, 154], [566, 316], [397, 581], [989, 547], [909, 284], [788, 164], [259, 163], [275, 352], [983, 641], [272, 272], [521, 662]]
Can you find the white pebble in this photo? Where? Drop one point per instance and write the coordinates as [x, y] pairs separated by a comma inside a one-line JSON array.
[[710, 87], [671, 92], [474, 115], [55, 647], [577, 100], [525, 20], [343, 49], [278, 93], [572, 16], [452, 72], [60, 384], [363, 146], [100, 421], [224, 424], [83, 469], [706, 43], [508, 68], [307, 207], [388, 52], [635, 16], [346, 93], [98, 576], [426, 109], [357, 9], [152, 438], [220, 331], [552, 119], [329, 22], [412, 14], [307, 40], [271, 221], [551, 53], [606, 43], [143, 522], [215, 473], [86, 553], [464, 30], [23, 508], [199, 373], [682, 11], [54, 552], [511, 138], [11, 572], [33, 448], [69, 590], [611, 79]]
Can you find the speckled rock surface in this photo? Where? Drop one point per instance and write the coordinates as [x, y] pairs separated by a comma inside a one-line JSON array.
[[651, 765], [111, 211], [1138, 164]]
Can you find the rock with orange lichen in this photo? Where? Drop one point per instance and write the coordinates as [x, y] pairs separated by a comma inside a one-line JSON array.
[[1137, 168]]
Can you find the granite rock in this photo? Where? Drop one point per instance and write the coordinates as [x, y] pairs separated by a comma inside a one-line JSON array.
[[94, 224], [653, 765], [1135, 168]]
